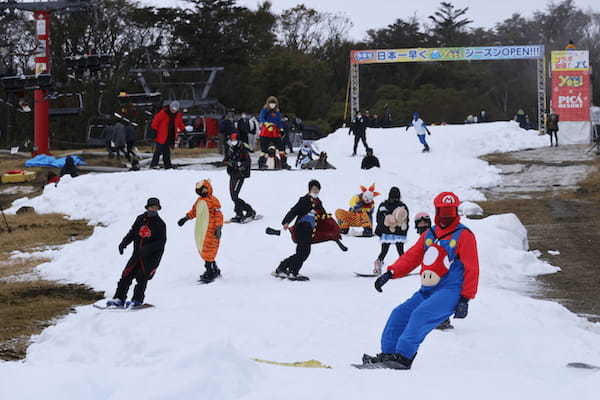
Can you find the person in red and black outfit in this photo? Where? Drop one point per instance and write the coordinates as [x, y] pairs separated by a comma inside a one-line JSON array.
[[447, 254], [167, 123], [149, 236], [306, 212]]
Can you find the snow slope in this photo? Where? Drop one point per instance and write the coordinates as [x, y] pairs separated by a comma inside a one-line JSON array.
[[198, 341]]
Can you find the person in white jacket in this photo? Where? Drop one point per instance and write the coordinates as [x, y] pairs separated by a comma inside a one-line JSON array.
[[254, 128], [421, 129]]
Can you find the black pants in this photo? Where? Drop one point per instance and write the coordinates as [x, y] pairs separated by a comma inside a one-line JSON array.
[[553, 135], [266, 142], [386, 246], [287, 143], [129, 273], [357, 138], [303, 236], [130, 153], [235, 186], [165, 151]]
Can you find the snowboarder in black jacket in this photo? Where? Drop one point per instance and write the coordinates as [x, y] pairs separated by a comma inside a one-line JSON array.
[[306, 211], [149, 236], [370, 161], [392, 226], [237, 159]]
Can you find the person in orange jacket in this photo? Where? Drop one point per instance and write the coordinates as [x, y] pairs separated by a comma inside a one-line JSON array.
[[167, 124], [209, 224]]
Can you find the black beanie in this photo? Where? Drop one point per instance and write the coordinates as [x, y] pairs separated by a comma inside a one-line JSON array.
[[312, 183], [394, 193]]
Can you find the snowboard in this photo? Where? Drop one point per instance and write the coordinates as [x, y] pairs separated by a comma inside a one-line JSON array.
[[581, 365], [257, 217], [297, 364], [360, 275], [357, 234], [375, 366], [142, 307]]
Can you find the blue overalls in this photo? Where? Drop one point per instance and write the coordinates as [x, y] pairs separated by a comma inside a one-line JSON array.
[[412, 320]]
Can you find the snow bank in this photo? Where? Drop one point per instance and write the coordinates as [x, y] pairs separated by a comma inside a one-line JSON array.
[[198, 341]]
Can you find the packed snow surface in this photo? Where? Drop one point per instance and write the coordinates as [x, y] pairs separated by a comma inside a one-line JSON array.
[[197, 343]]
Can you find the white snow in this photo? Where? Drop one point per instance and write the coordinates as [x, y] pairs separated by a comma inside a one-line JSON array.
[[198, 341]]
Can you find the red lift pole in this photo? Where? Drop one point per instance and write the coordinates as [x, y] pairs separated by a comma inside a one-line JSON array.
[[42, 66]]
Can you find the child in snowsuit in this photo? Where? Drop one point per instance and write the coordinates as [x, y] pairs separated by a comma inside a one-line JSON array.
[[392, 226], [421, 129], [307, 211], [237, 159], [360, 213], [149, 236], [370, 161], [209, 223], [449, 263], [422, 222]]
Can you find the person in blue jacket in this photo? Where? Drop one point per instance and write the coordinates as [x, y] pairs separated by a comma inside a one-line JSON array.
[[271, 126]]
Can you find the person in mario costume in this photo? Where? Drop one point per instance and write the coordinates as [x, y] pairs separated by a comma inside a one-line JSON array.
[[447, 253]]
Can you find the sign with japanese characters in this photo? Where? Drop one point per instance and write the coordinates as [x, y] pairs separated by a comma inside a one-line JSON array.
[[447, 54], [571, 60], [571, 95]]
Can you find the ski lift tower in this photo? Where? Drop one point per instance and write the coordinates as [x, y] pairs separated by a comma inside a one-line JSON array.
[[42, 12]]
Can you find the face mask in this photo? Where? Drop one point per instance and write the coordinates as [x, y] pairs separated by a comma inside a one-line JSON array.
[[152, 213], [314, 195], [234, 142], [272, 105], [421, 229]]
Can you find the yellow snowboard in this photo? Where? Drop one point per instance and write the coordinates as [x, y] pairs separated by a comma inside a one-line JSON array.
[[298, 364]]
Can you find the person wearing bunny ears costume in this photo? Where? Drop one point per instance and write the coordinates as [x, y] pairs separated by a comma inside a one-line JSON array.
[[360, 213], [449, 263]]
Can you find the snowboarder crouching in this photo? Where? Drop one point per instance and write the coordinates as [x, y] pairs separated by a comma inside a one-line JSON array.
[[449, 263], [360, 213]]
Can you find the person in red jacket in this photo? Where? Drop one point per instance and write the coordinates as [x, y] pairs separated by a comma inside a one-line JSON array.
[[449, 273], [167, 123]]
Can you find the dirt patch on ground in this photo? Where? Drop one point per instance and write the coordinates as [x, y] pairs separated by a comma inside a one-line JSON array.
[[563, 220], [29, 304]]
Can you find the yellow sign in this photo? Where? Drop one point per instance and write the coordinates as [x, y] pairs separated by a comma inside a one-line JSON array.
[[570, 60]]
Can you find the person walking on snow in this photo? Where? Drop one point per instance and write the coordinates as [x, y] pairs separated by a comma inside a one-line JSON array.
[[552, 128], [167, 123], [421, 129], [209, 224], [392, 226], [237, 159], [360, 213], [359, 128], [149, 236], [449, 273]]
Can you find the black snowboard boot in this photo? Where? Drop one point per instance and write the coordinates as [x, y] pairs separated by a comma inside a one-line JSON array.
[[396, 361], [445, 325], [367, 232], [296, 276], [281, 271], [216, 272], [368, 359]]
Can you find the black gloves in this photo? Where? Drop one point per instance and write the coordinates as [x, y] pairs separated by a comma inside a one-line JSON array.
[[462, 308], [218, 232], [182, 221], [122, 248], [382, 280]]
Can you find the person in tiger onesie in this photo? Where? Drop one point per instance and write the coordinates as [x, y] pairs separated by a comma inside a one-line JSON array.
[[360, 213], [209, 224]]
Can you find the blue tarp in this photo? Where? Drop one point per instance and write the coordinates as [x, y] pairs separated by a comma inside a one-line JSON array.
[[43, 160]]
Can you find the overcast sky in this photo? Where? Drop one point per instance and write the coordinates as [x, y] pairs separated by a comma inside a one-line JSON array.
[[368, 14]]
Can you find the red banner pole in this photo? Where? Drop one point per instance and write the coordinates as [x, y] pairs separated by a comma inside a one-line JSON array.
[[42, 66]]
